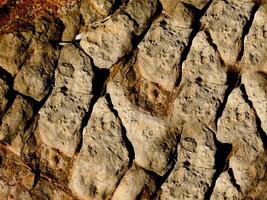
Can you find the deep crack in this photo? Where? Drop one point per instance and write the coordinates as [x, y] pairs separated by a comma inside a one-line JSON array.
[[196, 25], [260, 130], [246, 30], [99, 79], [128, 144], [221, 163], [233, 80], [233, 180]]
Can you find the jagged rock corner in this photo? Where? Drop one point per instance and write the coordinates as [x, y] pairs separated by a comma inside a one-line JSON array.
[[133, 99]]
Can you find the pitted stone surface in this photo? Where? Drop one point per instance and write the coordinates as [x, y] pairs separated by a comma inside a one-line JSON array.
[[133, 99], [91, 177], [61, 117]]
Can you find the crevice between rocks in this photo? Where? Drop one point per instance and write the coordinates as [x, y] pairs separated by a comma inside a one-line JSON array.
[[233, 80], [260, 130], [101, 75], [99, 79], [233, 180], [128, 144], [162, 179], [246, 29], [196, 26], [11, 94], [138, 38], [221, 163]]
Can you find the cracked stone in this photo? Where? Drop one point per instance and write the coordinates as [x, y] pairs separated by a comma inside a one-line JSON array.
[[203, 63], [150, 136], [224, 189], [110, 41], [61, 116], [4, 89], [47, 190], [103, 159], [16, 118], [45, 159], [95, 10], [13, 51], [258, 190], [255, 85], [199, 4], [16, 179], [71, 23], [141, 12], [133, 184], [160, 52], [176, 14], [178, 112], [195, 166], [225, 20], [255, 47], [199, 101], [237, 125], [37, 70]]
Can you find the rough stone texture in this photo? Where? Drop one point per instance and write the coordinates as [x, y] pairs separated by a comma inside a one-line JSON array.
[[3, 96], [16, 118], [150, 136], [226, 31], [61, 117], [224, 188], [204, 80], [133, 99], [103, 141], [160, 52], [255, 44], [238, 126], [256, 88], [12, 51], [133, 184], [38, 69], [194, 169], [110, 41]]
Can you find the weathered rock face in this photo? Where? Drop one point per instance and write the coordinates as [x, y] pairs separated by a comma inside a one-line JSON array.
[[133, 99]]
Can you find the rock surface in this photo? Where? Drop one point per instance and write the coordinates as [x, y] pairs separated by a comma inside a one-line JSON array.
[[133, 99]]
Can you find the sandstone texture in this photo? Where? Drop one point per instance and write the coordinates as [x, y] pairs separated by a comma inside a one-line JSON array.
[[133, 100]]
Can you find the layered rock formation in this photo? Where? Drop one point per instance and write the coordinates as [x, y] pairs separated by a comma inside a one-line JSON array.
[[133, 99]]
